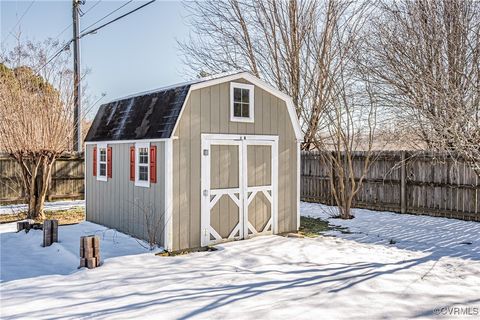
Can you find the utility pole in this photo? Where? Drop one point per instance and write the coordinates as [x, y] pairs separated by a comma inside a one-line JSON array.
[[77, 113]]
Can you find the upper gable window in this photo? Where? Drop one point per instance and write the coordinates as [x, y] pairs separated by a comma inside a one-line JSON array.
[[241, 102]]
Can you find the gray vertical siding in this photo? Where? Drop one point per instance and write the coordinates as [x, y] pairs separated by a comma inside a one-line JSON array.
[[207, 111], [118, 203]]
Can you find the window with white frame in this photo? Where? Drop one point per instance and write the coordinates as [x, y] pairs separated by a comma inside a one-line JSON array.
[[241, 102], [102, 162], [142, 174]]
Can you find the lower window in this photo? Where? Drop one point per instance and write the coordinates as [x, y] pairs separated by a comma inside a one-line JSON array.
[[102, 162], [142, 168]]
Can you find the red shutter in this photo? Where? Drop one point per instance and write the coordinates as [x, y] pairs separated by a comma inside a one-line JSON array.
[[94, 161], [109, 162], [132, 163], [153, 164]]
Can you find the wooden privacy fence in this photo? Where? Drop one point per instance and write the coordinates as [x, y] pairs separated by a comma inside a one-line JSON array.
[[420, 183], [67, 179]]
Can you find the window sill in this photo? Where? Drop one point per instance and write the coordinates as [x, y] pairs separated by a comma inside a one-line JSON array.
[[143, 184], [102, 178], [240, 119]]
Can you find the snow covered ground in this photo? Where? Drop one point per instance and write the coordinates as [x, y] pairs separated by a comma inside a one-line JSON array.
[[439, 236], [352, 276], [49, 206]]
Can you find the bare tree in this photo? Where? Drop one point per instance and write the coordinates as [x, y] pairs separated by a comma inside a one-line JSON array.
[[347, 123], [287, 43], [425, 58], [36, 112]]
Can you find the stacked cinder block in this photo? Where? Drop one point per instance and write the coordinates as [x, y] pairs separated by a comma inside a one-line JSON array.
[[50, 232], [90, 251], [23, 225], [28, 225]]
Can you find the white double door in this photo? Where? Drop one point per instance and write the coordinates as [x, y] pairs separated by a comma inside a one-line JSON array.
[[239, 187]]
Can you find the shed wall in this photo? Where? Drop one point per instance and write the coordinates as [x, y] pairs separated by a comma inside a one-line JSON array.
[[118, 203], [207, 111]]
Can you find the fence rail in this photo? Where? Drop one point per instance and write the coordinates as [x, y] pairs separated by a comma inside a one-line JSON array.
[[421, 183], [67, 179]]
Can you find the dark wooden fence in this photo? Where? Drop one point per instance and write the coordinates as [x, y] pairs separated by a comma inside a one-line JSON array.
[[67, 179], [422, 183]]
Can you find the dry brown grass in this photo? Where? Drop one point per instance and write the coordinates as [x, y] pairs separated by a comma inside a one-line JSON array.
[[70, 216]]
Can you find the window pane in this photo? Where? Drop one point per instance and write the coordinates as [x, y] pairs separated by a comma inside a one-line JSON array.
[[245, 110], [103, 169], [143, 173], [143, 155], [237, 109], [103, 155], [245, 95], [237, 95]]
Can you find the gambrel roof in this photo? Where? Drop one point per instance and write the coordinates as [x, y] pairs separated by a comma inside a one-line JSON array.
[[154, 114]]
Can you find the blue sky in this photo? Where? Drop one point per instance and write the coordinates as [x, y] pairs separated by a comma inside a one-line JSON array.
[[134, 54]]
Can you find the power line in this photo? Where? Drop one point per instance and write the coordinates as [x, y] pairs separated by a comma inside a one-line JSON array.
[[64, 47], [67, 44], [69, 25], [89, 9], [19, 20], [63, 31], [106, 16], [116, 19]]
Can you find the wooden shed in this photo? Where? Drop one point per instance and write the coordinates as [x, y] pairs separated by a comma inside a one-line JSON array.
[[207, 161]]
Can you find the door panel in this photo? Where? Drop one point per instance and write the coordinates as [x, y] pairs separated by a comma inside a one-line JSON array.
[[224, 217], [224, 170], [259, 187], [259, 161], [260, 213], [221, 192]]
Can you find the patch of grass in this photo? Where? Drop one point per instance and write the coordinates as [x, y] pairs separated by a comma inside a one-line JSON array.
[[313, 227], [185, 251], [69, 216]]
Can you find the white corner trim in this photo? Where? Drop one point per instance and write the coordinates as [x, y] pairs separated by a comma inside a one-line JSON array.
[[102, 146], [275, 174], [141, 183], [251, 103], [168, 228], [298, 184]]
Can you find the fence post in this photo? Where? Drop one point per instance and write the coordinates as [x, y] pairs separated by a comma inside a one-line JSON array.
[[403, 184]]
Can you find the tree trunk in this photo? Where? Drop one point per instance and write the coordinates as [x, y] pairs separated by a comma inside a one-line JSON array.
[[36, 173], [32, 194], [43, 181], [346, 210]]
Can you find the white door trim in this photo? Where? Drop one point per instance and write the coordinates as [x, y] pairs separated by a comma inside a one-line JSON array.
[[271, 141], [206, 202], [242, 141]]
